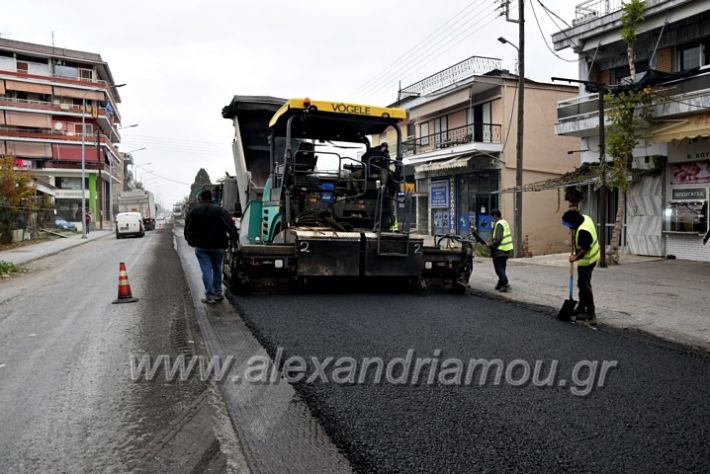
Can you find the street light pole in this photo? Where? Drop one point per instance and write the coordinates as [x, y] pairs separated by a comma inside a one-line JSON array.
[[83, 159], [83, 162], [518, 205]]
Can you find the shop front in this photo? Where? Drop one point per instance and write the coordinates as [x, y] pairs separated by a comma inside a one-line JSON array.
[[686, 208], [459, 198]]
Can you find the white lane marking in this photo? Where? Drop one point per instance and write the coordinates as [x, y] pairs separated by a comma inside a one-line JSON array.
[[32, 335], [2, 365]]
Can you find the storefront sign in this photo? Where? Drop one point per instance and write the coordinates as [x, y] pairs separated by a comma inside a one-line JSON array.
[[689, 150], [691, 193], [452, 206], [693, 172], [440, 194]]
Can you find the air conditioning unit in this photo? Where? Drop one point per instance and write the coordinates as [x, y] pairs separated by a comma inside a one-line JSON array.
[[57, 61]]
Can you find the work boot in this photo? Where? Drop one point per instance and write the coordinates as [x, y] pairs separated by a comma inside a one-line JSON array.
[[504, 288], [219, 297], [208, 300], [587, 316], [498, 286]]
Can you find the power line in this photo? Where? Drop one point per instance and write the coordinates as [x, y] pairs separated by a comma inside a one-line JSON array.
[[153, 173], [550, 14], [413, 66], [544, 39], [431, 50], [553, 13], [456, 17], [170, 139], [426, 51]]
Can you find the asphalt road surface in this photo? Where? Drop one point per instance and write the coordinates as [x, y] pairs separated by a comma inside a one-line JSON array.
[[652, 414], [67, 401]]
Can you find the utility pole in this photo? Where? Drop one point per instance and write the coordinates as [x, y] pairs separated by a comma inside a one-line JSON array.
[[601, 90], [99, 180], [518, 205], [602, 192], [519, 142]]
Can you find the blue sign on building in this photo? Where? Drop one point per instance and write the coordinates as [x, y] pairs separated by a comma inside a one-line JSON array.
[[440, 194]]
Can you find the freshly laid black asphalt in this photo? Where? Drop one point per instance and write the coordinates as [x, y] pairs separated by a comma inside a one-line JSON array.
[[653, 414]]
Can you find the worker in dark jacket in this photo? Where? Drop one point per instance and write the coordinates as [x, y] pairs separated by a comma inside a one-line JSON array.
[[208, 228], [501, 249], [586, 254]]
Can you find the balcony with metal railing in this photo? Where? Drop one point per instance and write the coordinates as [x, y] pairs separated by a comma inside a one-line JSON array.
[[57, 137], [454, 137], [593, 9], [579, 115], [109, 124], [59, 80]]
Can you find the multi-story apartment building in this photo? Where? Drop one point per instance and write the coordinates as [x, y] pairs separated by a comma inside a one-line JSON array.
[[44, 93], [667, 206], [460, 138]]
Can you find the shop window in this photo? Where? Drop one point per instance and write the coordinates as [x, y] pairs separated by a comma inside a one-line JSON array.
[[22, 66], [70, 209], [689, 216]]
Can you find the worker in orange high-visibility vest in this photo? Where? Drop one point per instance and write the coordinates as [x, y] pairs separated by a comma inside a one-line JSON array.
[[501, 249], [586, 254]]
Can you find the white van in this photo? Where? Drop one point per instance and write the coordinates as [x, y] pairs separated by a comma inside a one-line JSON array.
[[129, 223]]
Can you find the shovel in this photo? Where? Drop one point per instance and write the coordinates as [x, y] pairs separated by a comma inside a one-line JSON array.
[[568, 306]]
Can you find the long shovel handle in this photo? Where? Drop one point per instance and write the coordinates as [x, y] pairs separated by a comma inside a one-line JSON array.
[[571, 267]]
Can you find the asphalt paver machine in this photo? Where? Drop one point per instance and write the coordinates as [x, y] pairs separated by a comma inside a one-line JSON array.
[[317, 201]]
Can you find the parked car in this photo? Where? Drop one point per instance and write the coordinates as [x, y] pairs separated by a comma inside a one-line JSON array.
[[60, 223], [129, 223]]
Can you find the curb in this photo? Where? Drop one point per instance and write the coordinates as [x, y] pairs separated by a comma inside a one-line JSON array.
[[663, 341], [51, 254]]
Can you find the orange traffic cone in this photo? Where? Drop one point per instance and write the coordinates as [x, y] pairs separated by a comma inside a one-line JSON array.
[[124, 288]]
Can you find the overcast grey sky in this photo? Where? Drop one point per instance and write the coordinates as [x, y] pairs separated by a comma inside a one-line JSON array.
[[183, 61]]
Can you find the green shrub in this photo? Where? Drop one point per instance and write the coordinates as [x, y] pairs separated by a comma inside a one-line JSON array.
[[6, 268]]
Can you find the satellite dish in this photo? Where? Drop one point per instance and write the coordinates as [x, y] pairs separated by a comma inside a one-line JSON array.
[[58, 126]]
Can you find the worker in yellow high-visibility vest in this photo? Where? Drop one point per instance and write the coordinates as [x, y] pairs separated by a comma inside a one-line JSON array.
[[586, 254], [501, 249]]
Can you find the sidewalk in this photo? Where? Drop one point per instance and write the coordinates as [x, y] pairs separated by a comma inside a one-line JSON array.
[[666, 298], [29, 253]]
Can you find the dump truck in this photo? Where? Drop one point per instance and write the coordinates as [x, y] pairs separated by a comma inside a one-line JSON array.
[[142, 201], [316, 201]]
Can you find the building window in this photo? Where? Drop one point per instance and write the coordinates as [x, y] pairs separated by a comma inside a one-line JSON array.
[[694, 55], [480, 119], [70, 183], [424, 133], [88, 129], [691, 57], [22, 66], [410, 130], [66, 71], [441, 130]]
